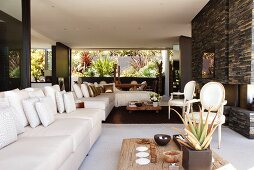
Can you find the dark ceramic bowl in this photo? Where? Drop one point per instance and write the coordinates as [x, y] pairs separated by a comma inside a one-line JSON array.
[[162, 139], [138, 104]]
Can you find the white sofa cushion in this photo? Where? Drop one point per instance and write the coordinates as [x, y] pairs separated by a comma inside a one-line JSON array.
[[8, 132], [40, 153], [110, 96], [69, 102], [77, 91], [15, 99], [78, 129], [30, 111], [36, 93], [45, 111], [94, 115], [60, 101], [85, 90], [51, 92], [95, 104]]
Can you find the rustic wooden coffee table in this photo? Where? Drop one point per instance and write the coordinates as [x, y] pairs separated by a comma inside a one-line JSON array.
[[128, 156], [144, 107]]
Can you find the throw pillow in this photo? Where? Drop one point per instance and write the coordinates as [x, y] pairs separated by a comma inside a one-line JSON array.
[[15, 99], [8, 132], [36, 93], [69, 102], [50, 92], [77, 91], [108, 88], [56, 87], [4, 102], [60, 101], [30, 111], [85, 90], [45, 111], [98, 89]]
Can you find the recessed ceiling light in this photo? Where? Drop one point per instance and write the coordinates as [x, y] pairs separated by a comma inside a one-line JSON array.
[[53, 6], [65, 29]]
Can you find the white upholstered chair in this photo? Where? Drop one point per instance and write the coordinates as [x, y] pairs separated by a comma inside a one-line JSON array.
[[188, 94], [212, 96]]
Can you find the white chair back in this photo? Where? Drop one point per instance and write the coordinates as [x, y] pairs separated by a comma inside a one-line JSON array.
[[189, 90], [212, 95]]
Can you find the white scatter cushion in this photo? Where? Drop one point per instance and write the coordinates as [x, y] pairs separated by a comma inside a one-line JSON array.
[[36, 93], [60, 101], [85, 90], [30, 111], [8, 132], [50, 102], [77, 91], [4, 102], [17, 119], [69, 102], [56, 87], [15, 99], [51, 92], [45, 111]]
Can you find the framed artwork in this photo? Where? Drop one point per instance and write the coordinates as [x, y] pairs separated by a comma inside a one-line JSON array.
[[208, 65]]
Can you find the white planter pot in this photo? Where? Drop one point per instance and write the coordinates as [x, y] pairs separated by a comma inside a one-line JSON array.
[[155, 104]]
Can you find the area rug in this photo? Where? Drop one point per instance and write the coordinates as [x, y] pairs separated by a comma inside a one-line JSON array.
[[104, 155]]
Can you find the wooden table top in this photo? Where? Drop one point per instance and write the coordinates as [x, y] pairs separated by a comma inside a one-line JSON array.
[[143, 107], [128, 85], [128, 156]]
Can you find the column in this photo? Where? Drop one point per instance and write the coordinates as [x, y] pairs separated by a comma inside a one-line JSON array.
[[165, 69]]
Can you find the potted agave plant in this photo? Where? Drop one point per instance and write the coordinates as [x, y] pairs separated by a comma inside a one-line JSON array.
[[197, 137]]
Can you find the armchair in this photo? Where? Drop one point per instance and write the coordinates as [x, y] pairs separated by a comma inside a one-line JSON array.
[[212, 97], [188, 94]]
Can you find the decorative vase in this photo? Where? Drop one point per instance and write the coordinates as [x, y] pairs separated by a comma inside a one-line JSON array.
[[155, 104], [196, 160]]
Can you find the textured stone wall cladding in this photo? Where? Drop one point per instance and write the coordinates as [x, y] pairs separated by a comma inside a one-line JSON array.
[[240, 41], [242, 121], [209, 33], [225, 26]]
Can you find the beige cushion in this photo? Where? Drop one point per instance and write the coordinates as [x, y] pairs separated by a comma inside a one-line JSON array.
[[94, 115], [78, 129], [43, 153]]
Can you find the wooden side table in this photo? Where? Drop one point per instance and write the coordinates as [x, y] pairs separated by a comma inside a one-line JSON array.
[[80, 105]]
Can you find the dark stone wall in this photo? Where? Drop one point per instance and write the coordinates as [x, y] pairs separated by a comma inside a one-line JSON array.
[[240, 41], [209, 33], [225, 28]]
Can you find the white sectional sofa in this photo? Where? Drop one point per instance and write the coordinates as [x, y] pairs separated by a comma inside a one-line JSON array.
[[62, 145]]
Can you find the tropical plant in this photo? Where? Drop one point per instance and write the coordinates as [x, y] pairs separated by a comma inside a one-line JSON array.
[[15, 73], [37, 64], [199, 134], [104, 66]]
